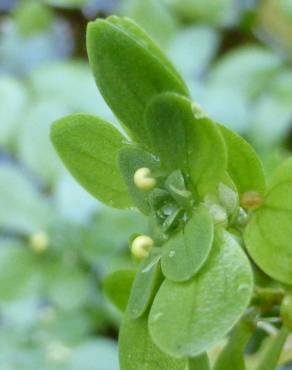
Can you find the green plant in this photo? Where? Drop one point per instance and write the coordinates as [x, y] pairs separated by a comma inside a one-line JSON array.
[[218, 251]]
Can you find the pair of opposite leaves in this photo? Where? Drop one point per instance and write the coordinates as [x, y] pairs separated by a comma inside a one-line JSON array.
[[131, 73]]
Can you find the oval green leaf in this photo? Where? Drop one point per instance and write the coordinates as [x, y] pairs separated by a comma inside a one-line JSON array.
[[89, 148], [244, 165], [117, 287], [137, 350], [136, 32], [187, 319], [129, 70], [207, 157], [130, 159], [146, 284], [268, 236], [165, 121], [186, 252]]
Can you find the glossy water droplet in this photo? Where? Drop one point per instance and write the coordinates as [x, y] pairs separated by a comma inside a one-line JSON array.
[[171, 254]]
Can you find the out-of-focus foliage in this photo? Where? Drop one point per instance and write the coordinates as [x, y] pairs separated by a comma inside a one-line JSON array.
[[56, 242]]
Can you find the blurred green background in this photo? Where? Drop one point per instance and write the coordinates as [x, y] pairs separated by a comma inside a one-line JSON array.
[[56, 241]]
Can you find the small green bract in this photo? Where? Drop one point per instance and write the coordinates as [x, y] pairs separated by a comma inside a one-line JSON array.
[[213, 222]]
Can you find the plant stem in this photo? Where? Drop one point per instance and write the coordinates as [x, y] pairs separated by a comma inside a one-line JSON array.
[[232, 356], [270, 358], [201, 362]]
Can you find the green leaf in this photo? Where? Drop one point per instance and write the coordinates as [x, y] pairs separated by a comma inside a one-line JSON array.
[[129, 70], [130, 159], [201, 362], [191, 148], [186, 252], [89, 148], [165, 122], [137, 350], [146, 284], [268, 234], [143, 38], [117, 287], [270, 358], [244, 166], [207, 157], [232, 356], [187, 319]]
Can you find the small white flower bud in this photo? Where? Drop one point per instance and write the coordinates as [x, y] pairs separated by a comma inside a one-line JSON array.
[[141, 246], [143, 179], [39, 242]]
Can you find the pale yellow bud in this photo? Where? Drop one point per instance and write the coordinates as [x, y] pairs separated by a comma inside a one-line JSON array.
[[143, 179], [141, 246], [39, 242], [251, 200]]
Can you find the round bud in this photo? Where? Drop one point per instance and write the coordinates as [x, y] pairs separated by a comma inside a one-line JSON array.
[[251, 200], [143, 179], [141, 246], [286, 311], [39, 242]]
